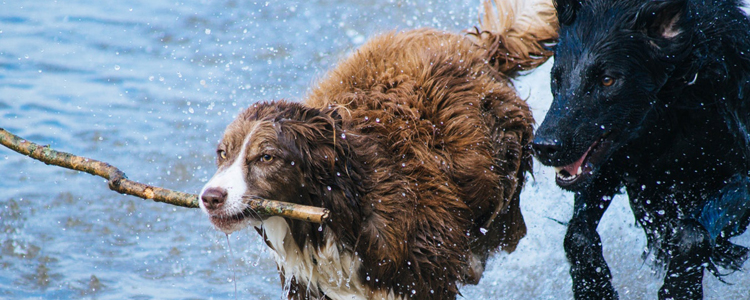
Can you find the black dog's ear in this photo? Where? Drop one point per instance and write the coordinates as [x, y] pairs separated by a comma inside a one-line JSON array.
[[661, 19], [566, 10]]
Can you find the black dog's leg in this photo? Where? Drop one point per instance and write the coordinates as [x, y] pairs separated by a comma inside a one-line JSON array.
[[690, 250], [583, 248], [727, 214]]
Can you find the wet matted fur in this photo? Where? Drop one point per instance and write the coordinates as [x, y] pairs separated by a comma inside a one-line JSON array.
[[418, 145], [652, 97]]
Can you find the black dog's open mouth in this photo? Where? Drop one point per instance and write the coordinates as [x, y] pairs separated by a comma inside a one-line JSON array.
[[585, 165]]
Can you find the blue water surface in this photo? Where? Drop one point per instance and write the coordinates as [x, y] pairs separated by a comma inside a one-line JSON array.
[[149, 86]]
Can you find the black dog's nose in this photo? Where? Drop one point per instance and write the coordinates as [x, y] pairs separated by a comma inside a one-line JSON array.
[[213, 198], [546, 150]]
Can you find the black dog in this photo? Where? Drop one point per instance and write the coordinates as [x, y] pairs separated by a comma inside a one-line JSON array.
[[652, 96]]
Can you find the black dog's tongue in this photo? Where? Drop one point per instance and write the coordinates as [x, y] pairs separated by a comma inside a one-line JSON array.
[[573, 169]]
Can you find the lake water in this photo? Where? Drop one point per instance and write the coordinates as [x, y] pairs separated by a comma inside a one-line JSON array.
[[149, 86]]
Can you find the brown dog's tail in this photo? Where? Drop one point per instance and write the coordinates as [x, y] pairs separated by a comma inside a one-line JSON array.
[[517, 34]]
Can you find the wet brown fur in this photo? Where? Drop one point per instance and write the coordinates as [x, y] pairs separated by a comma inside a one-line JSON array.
[[418, 145]]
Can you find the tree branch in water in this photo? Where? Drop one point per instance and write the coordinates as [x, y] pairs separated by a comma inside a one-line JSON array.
[[120, 183]]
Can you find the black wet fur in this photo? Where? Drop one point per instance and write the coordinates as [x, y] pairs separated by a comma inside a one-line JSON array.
[[653, 96]]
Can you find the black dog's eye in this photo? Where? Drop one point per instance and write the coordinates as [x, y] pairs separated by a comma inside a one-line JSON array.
[[266, 158], [222, 154], [607, 81]]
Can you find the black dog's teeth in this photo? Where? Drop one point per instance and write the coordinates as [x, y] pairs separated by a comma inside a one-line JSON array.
[[565, 175], [562, 173]]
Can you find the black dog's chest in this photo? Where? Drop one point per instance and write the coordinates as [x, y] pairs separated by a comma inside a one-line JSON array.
[[656, 200], [666, 191], [672, 178]]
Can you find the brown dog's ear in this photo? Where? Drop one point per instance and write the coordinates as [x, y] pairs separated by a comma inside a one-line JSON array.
[[662, 19], [566, 10], [316, 138], [323, 152]]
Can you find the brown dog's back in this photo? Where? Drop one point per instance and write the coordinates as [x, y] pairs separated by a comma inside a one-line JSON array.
[[417, 144], [450, 146]]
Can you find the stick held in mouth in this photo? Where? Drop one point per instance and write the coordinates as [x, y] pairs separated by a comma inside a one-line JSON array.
[[120, 183]]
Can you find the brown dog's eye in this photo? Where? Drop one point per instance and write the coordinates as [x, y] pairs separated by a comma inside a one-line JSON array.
[[266, 158], [222, 154], [607, 81]]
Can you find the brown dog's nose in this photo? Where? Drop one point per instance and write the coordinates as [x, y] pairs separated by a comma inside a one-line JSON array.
[[213, 198]]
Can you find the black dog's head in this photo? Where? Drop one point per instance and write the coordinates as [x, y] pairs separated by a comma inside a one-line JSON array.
[[612, 58]]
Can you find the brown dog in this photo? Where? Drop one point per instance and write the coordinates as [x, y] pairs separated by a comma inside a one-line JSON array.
[[417, 144]]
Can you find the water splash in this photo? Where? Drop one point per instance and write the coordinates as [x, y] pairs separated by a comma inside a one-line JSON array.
[[229, 263]]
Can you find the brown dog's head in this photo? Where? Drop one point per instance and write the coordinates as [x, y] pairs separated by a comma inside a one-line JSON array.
[[279, 150]]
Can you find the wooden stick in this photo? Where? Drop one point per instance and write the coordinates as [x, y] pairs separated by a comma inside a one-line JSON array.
[[120, 183]]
